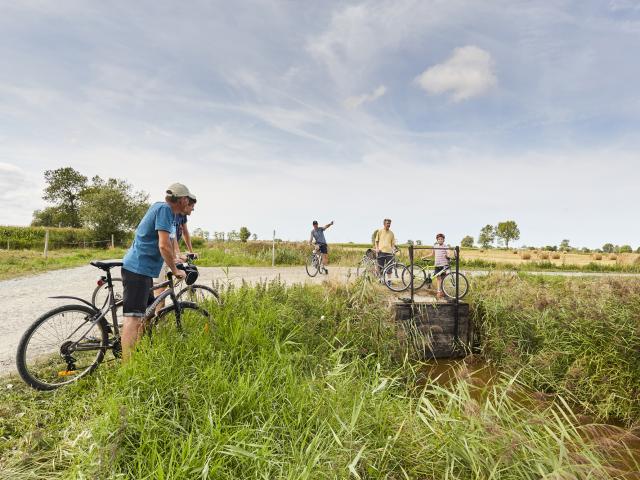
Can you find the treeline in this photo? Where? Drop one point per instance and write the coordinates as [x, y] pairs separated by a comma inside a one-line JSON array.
[[14, 238]]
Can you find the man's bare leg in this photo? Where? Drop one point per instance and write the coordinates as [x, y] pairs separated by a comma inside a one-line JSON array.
[[132, 331]]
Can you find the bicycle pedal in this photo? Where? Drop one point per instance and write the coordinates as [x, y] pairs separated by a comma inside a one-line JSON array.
[[66, 373]]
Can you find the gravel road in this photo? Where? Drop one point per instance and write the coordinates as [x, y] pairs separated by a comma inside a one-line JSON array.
[[25, 299]]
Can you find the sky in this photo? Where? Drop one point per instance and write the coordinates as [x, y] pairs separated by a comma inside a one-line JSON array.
[[443, 115]]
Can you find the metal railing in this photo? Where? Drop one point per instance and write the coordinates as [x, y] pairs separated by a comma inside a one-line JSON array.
[[456, 309]]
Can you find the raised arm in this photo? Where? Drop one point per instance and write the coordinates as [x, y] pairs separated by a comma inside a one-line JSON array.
[[328, 225]]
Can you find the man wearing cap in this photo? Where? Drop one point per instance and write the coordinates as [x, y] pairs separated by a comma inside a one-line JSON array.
[[152, 243], [317, 236]]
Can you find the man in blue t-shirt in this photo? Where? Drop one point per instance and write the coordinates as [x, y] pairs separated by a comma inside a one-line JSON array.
[[152, 243]]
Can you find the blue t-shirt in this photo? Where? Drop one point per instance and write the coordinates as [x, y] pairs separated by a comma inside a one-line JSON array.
[[144, 256], [179, 221]]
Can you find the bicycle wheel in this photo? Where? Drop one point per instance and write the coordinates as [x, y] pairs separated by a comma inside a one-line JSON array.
[[193, 317], [312, 265], [366, 267], [392, 276], [449, 285], [419, 277], [101, 293], [61, 346], [199, 294]]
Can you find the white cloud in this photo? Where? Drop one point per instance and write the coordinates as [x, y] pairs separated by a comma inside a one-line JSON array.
[[355, 102], [467, 73]]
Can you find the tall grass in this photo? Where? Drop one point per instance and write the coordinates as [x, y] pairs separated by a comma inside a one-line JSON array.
[[576, 336], [286, 382]]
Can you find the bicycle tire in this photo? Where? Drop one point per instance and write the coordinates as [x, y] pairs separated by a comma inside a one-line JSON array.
[[449, 285], [100, 294], [419, 277], [392, 279], [29, 370], [366, 268], [198, 294], [312, 266], [163, 318]]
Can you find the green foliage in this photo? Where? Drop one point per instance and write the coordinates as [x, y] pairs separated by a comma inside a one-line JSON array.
[[373, 236], [467, 242], [244, 234], [33, 237], [576, 337], [487, 236], [608, 248], [111, 207], [564, 245], [298, 382], [64, 188], [625, 249], [507, 231]]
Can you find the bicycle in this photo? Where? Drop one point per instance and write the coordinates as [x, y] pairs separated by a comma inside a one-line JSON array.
[[70, 341], [314, 263], [194, 293], [423, 276], [391, 273]]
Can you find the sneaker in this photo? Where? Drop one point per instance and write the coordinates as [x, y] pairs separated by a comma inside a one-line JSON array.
[[326, 271], [388, 283]]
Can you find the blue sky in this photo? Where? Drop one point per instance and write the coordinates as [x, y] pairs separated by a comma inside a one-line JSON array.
[[443, 115]]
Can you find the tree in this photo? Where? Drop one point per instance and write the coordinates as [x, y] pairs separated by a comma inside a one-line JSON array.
[[564, 245], [409, 242], [218, 236], [625, 249], [244, 234], [64, 189], [608, 248], [507, 231], [487, 236], [233, 235], [418, 242], [467, 242], [254, 237], [111, 207]]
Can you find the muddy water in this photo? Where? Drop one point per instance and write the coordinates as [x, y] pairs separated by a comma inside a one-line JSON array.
[[620, 445]]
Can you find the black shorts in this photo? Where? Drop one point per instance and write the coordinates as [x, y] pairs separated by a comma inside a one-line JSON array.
[[437, 270], [383, 259], [323, 248], [137, 293]]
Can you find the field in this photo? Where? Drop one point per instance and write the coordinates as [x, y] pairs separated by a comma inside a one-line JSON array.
[[26, 262], [311, 382]]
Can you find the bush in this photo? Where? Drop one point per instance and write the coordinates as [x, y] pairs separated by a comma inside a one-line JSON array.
[[18, 238], [198, 242]]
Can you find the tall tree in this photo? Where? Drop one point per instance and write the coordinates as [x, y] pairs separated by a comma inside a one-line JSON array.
[[487, 236], [507, 231], [244, 234], [64, 189], [467, 242], [112, 207]]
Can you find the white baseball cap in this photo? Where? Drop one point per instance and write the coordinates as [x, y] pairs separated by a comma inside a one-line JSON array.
[[180, 190]]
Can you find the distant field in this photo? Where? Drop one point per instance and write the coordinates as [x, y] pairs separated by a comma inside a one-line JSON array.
[[212, 254]]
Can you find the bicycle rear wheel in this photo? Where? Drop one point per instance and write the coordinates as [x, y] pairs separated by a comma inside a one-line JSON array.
[[392, 276], [100, 295], [312, 265], [61, 346], [199, 294], [449, 285]]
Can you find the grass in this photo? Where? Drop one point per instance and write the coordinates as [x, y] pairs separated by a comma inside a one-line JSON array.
[[575, 336], [14, 263], [288, 382]]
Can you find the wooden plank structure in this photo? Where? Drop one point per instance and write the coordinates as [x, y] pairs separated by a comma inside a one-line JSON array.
[[435, 329]]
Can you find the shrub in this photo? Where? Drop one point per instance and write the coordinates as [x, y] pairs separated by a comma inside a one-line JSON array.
[[33, 238]]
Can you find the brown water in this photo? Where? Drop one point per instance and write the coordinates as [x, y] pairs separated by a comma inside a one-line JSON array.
[[620, 445]]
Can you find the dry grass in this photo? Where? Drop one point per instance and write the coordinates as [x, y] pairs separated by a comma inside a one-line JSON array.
[[597, 256], [570, 258]]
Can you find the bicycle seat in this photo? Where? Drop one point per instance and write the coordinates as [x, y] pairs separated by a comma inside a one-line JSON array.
[[106, 264]]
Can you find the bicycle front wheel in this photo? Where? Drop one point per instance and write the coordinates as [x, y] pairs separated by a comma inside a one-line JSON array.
[[449, 285], [394, 277], [312, 265], [199, 294], [192, 317], [419, 277], [61, 346]]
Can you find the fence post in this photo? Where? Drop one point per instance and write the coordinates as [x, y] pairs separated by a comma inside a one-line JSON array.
[[46, 243], [273, 250], [113, 243], [411, 262], [457, 305]]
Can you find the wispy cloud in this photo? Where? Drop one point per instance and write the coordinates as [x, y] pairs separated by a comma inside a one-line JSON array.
[[469, 72], [355, 102]]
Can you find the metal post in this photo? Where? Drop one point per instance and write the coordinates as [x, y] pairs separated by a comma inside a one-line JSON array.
[[457, 307], [411, 261], [273, 250], [113, 243], [46, 243]]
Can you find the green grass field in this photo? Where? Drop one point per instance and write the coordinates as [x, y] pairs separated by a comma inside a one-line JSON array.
[[308, 382]]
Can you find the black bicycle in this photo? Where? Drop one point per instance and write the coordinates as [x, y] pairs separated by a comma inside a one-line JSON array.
[[194, 293], [450, 280], [69, 342]]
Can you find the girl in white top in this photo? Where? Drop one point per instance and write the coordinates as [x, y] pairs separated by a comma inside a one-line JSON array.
[[440, 251]]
